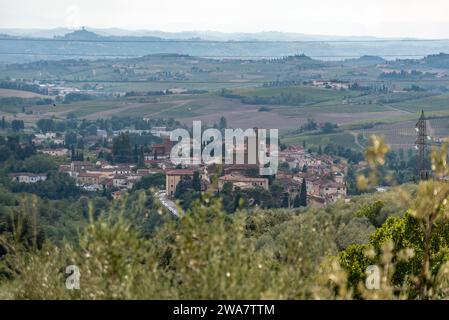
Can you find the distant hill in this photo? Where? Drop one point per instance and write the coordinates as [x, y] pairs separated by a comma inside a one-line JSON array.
[[35, 33], [376, 59], [438, 60], [85, 34], [365, 60], [270, 44], [205, 35], [82, 34]]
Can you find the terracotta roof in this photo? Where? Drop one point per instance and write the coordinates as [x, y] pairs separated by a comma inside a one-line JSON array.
[[64, 168], [107, 182], [180, 172], [122, 177], [332, 184], [151, 161], [101, 170], [242, 167], [231, 177], [89, 175]]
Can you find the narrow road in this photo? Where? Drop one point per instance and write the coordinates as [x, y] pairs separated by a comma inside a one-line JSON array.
[[356, 139], [397, 109], [177, 104], [167, 203]]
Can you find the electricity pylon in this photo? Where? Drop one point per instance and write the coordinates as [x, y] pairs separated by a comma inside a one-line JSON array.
[[422, 144]]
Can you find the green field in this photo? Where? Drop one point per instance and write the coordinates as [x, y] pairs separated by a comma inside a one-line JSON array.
[[143, 86], [329, 108], [433, 103], [19, 93], [391, 105], [84, 109], [14, 109], [339, 138], [311, 94]]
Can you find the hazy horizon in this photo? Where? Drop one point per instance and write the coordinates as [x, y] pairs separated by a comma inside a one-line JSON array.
[[209, 31], [382, 18]]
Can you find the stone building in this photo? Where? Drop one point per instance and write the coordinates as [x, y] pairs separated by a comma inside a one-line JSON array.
[[242, 182], [173, 177]]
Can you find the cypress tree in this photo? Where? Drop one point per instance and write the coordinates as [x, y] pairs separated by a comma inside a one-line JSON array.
[[136, 154], [303, 194], [121, 149], [296, 201], [196, 181], [141, 158], [285, 200]]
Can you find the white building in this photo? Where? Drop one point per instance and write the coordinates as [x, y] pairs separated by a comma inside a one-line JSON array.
[[61, 152], [26, 177]]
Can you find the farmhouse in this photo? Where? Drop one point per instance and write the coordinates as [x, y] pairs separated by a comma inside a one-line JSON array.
[[332, 188], [26, 177], [60, 152], [173, 177], [85, 178], [242, 182], [160, 150]]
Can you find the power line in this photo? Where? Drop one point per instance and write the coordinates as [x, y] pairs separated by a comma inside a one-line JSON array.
[[219, 41], [207, 56], [68, 54], [311, 56], [153, 81], [235, 82]]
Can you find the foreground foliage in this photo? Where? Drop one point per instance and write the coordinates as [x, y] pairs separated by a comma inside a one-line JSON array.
[[314, 253]]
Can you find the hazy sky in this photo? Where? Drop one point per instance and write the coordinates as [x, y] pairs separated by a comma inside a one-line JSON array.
[[429, 18]]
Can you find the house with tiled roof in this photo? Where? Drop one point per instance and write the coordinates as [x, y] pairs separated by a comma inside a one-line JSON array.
[[331, 187], [242, 182], [173, 177]]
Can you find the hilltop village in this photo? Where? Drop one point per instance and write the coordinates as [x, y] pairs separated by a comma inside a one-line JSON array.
[[304, 178]]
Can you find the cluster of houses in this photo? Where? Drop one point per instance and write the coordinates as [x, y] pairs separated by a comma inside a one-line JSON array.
[[332, 84], [102, 175], [48, 138], [54, 89], [324, 177]]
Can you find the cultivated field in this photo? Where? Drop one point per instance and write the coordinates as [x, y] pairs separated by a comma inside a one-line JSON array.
[[264, 93], [338, 138], [19, 93]]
